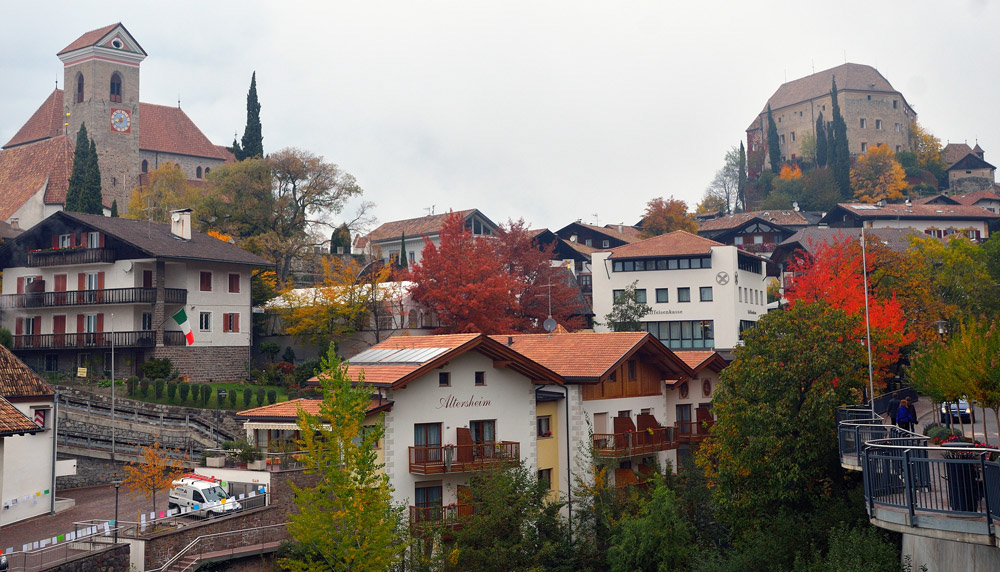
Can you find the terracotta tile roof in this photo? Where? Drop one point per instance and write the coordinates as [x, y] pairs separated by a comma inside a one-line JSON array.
[[590, 355], [18, 380], [953, 152], [155, 239], [779, 217], [628, 233], [289, 410], [809, 239], [45, 122], [169, 130], [414, 227], [89, 39], [850, 77], [13, 422], [936, 199], [581, 248], [223, 150], [677, 243], [903, 212], [26, 169], [973, 198], [701, 359]]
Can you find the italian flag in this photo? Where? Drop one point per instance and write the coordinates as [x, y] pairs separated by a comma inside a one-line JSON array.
[[181, 318]]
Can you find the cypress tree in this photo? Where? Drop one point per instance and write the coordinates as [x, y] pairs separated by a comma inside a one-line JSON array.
[[842, 164], [402, 250], [741, 182], [114, 208], [341, 237], [831, 145], [820, 141], [91, 200], [773, 149], [253, 139], [78, 177]]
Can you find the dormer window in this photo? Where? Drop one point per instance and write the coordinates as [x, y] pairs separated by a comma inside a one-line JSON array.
[[116, 88], [79, 88]]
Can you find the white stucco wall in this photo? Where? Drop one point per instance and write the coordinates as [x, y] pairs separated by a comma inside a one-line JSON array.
[[27, 469]]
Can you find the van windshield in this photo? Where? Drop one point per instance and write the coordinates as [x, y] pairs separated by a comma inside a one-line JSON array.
[[215, 493]]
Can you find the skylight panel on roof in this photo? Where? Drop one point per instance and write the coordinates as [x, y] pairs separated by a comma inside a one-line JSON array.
[[865, 207], [372, 356], [397, 356]]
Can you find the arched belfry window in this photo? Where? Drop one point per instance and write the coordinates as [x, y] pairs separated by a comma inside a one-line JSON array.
[[145, 166], [79, 88], [116, 88], [198, 173]]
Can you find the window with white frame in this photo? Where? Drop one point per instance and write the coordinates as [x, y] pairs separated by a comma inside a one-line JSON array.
[[93, 240], [706, 293], [205, 321], [65, 240], [683, 294]]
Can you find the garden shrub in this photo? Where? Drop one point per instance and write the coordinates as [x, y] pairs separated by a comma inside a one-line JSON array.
[[156, 367], [272, 396], [232, 398], [260, 396], [158, 385], [144, 388], [171, 390], [247, 396], [184, 389]]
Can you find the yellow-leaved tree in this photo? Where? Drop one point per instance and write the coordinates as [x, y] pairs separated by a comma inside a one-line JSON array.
[[164, 190], [878, 176], [159, 467], [346, 521]]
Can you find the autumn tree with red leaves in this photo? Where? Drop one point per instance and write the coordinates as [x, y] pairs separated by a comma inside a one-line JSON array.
[[833, 273], [493, 285]]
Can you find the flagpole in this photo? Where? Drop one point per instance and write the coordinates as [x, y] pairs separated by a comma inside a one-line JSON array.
[[113, 394], [868, 326]]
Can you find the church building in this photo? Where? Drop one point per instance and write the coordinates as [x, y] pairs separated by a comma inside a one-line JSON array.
[[101, 81]]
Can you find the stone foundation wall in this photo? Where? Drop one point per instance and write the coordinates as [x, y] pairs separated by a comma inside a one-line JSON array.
[[206, 364], [90, 471], [115, 558]]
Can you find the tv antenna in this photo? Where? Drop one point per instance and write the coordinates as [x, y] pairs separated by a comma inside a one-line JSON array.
[[597, 221], [430, 210]]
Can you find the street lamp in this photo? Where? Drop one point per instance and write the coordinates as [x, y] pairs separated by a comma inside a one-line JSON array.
[[942, 328], [117, 483]]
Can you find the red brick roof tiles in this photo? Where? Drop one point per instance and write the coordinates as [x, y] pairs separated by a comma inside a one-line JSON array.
[[45, 122], [971, 199], [290, 409], [89, 39], [13, 422], [169, 130], [677, 243], [18, 380], [415, 227], [931, 211], [850, 77], [954, 152], [26, 169]]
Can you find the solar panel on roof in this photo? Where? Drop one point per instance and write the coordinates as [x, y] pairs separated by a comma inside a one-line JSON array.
[[414, 355], [372, 355]]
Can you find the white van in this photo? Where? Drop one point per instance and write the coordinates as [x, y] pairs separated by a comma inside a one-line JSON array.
[[202, 495]]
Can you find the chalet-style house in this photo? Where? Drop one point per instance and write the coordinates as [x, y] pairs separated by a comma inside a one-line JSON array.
[[389, 239], [703, 293], [101, 91], [77, 284], [456, 404], [935, 219], [754, 231], [27, 422]]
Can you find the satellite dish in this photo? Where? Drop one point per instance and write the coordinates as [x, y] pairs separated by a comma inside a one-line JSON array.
[[127, 266], [549, 324], [176, 217]]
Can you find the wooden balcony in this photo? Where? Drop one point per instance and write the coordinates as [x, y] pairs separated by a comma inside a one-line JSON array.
[[438, 459], [101, 340], [91, 297], [64, 256], [450, 516], [650, 440]]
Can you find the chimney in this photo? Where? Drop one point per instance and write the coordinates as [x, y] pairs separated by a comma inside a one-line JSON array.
[[621, 228], [510, 340], [15, 223], [180, 223]]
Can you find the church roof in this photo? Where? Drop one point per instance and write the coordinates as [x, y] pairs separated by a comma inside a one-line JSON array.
[[26, 169], [163, 128], [953, 152], [46, 122], [89, 39]]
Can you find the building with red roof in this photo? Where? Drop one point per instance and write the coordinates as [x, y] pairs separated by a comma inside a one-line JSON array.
[[702, 293], [101, 80]]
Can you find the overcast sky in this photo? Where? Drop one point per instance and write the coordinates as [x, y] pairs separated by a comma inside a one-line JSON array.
[[550, 111]]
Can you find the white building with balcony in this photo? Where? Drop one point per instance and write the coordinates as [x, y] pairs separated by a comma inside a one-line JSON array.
[[77, 284], [702, 293]]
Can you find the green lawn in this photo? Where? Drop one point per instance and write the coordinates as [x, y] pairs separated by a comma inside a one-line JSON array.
[[229, 387]]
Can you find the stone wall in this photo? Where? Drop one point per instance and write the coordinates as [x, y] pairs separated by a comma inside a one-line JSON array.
[[206, 364], [115, 558], [188, 164], [90, 471]]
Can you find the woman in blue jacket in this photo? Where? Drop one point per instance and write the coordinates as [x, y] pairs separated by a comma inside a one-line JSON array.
[[903, 417]]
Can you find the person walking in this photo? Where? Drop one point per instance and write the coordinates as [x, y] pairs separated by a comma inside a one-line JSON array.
[[912, 409], [893, 408], [903, 418]]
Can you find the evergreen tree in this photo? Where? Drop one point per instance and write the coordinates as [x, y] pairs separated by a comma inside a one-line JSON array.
[[842, 160], [341, 238], [253, 140], [820, 141], [236, 150], [402, 250], [114, 208], [78, 177], [91, 200], [773, 149], [831, 146], [741, 183]]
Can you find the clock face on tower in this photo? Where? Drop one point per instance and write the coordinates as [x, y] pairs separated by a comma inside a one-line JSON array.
[[121, 121]]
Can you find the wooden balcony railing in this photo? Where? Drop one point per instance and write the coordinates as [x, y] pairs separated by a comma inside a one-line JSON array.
[[141, 339], [91, 297], [436, 459], [71, 256], [615, 445], [174, 338], [450, 516]]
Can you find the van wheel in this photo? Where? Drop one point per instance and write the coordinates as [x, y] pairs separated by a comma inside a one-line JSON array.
[[172, 506]]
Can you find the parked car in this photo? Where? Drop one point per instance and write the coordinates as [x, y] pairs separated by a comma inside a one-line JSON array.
[[961, 410]]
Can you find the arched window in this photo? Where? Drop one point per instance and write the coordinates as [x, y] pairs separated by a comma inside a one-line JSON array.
[[145, 166], [198, 173], [79, 88], [116, 88], [207, 170]]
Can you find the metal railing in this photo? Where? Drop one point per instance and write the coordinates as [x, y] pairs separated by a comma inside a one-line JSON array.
[[91, 297], [643, 442], [224, 545], [63, 256], [436, 459], [448, 515], [124, 412], [86, 537], [90, 340]]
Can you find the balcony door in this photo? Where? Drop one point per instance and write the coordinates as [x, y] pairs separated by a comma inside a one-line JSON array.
[[427, 499], [59, 329], [484, 435], [427, 440]]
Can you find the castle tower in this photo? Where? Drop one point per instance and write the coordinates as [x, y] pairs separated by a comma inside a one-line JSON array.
[[101, 90]]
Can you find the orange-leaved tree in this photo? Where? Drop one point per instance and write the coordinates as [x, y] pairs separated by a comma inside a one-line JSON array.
[[158, 468], [663, 216], [833, 273], [877, 176]]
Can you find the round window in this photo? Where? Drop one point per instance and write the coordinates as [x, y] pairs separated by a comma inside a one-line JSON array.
[[117, 43]]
